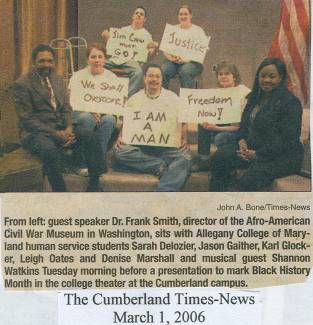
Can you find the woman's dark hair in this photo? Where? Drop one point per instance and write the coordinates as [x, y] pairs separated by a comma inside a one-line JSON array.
[[147, 66], [41, 48], [143, 8], [97, 46], [224, 65], [282, 70], [186, 7]]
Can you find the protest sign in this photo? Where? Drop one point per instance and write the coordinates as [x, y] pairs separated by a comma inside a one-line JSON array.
[[98, 94], [217, 106], [151, 123], [127, 44], [190, 45]]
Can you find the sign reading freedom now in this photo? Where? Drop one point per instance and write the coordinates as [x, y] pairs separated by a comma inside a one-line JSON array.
[[127, 45], [152, 124], [217, 106], [190, 46], [98, 94]]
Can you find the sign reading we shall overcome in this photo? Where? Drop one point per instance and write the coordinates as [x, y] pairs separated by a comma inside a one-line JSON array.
[[190, 44], [127, 44], [151, 122], [98, 93], [217, 106]]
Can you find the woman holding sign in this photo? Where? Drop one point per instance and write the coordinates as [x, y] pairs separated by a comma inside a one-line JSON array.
[[102, 124], [269, 137], [174, 64], [227, 75]]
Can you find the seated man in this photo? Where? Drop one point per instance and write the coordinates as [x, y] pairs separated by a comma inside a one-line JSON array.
[[132, 67], [44, 113], [170, 164]]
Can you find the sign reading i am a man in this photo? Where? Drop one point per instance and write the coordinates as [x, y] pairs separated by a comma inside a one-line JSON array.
[[151, 123]]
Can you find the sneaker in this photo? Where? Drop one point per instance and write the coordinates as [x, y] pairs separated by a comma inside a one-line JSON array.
[[81, 172], [200, 165]]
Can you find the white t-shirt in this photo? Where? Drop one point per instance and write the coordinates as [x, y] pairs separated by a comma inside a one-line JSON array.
[[167, 100], [244, 91], [194, 31], [141, 33], [86, 74]]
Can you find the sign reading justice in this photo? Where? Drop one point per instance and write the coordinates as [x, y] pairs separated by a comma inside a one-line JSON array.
[[147, 123], [217, 106], [98, 94], [189, 46], [127, 45]]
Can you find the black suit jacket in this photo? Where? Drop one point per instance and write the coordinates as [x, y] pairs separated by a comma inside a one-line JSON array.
[[276, 129], [33, 106]]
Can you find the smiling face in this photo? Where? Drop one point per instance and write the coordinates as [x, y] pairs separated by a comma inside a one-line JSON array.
[[225, 78], [44, 63], [269, 78], [96, 61], [138, 18], [184, 17], [153, 81]]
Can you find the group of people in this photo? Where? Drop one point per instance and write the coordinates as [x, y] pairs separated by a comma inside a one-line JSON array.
[[266, 143]]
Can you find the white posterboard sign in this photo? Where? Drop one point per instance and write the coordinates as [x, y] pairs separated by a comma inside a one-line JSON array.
[[217, 106], [127, 45], [189, 46], [151, 123], [98, 94]]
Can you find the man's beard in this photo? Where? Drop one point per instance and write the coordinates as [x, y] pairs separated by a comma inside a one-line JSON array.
[[44, 72]]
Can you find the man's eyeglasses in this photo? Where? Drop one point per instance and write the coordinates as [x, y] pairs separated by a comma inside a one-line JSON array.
[[40, 61], [139, 13]]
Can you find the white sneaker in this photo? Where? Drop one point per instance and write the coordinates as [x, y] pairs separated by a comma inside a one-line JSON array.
[[82, 172]]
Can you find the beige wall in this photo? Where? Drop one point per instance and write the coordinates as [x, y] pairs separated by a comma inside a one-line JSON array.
[[241, 30]]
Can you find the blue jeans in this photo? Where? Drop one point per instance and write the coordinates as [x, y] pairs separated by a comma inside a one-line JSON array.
[[133, 71], [103, 129], [221, 139], [171, 164], [186, 72]]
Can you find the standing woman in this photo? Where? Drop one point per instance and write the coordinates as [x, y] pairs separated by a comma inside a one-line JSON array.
[[186, 70], [269, 137], [227, 75], [102, 124]]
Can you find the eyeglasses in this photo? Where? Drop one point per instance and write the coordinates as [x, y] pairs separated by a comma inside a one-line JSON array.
[[139, 13], [40, 61]]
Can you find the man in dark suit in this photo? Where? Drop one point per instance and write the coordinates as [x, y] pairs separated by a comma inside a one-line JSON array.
[[44, 112]]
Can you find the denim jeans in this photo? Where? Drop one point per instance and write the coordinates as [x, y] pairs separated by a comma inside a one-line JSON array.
[[103, 129], [133, 71], [221, 139], [186, 72], [171, 164]]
